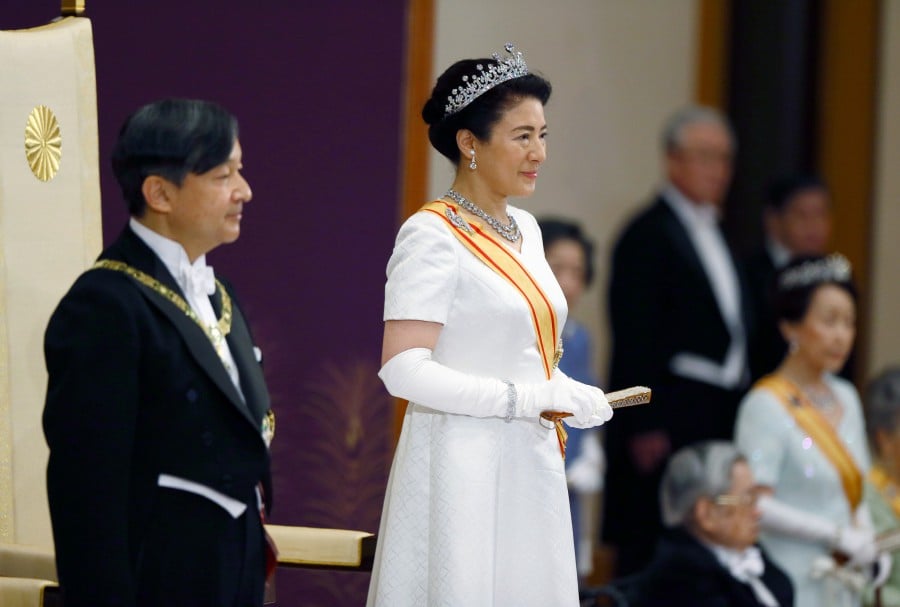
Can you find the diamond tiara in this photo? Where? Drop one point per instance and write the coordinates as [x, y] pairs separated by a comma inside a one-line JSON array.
[[834, 268], [485, 79]]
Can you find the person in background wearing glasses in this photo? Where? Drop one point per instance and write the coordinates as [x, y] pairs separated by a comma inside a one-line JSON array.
[[708, 555], [679, 314]]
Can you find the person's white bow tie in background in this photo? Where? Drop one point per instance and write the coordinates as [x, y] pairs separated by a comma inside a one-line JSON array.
[[748, 566], [747, 563]]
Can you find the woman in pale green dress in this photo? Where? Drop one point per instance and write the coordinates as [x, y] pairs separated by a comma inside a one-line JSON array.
[[883, 490]]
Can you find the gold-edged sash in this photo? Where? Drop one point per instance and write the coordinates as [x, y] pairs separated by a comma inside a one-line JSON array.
[[499, 258], [821, 431], [886, 487]]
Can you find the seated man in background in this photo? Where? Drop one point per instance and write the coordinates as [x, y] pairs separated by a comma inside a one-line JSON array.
[[708, 555]]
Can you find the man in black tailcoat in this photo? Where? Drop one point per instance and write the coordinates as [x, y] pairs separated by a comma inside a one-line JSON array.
[[680, 323], [157, 413]]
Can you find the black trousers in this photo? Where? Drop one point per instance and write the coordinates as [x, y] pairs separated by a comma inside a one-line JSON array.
[[196, 554]]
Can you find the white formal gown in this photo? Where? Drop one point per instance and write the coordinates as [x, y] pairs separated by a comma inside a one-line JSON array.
[[476, 512]]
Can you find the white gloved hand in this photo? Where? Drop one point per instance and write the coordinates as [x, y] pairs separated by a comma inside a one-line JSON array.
[[858, 544], [882, 569], [415, 376], [561, 393]]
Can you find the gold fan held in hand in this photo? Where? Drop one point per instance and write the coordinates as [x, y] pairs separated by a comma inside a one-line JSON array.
[[629, 397]]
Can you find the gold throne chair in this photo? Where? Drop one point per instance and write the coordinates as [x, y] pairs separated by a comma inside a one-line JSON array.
[[49, 232]]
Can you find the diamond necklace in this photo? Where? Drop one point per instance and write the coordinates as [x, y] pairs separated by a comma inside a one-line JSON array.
[[510, 232]]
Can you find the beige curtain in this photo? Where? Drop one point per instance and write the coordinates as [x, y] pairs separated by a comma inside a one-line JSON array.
[[49, 232]]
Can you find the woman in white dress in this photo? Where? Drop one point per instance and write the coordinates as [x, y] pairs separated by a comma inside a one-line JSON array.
[[476, 511], [802, 431]]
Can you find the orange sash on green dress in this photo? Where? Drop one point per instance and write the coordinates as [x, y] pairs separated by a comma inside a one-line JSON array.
[[886, 487], [822, 433], [502, 260]]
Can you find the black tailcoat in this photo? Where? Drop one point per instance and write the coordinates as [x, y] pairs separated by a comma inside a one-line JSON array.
[[136, 390]]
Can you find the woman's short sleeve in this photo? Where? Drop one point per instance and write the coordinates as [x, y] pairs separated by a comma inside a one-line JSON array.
[[760, 434], [422, 271]]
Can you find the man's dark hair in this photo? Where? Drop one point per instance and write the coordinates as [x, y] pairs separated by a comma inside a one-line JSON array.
[[783, 189], [170, 138]]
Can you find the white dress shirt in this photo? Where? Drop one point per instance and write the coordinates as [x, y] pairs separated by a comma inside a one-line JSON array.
[[778, 253], [194, 280], [701, 223]]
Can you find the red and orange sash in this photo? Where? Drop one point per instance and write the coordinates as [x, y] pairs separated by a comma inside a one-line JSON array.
[[886, 487], [498, 257], [822, 433]]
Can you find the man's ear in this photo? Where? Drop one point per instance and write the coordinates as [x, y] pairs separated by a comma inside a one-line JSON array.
[[703, 518], [158, 193]]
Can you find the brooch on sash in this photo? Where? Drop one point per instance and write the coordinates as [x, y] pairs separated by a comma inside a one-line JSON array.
[[457, 220], [557, 356]]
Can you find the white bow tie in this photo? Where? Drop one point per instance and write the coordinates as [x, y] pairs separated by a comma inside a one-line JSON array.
[[746, 564], [198, 281]]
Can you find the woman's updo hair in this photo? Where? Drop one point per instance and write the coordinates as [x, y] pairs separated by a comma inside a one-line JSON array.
[[480, 115], [797, 282]]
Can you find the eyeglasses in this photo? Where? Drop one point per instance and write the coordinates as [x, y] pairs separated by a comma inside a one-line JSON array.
[[741, 500], [707, 156]]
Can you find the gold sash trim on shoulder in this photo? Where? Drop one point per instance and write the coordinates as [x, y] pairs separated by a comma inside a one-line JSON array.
[[821, 431], [886, 487], [502, 260], [498, 257], [215, 333]]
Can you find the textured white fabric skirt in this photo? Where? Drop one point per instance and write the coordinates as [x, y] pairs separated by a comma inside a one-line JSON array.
[[476, 515]]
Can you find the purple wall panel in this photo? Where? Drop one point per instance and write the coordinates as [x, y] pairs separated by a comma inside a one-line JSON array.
[[318, 90]]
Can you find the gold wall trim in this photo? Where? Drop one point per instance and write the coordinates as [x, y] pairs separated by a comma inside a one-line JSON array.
[[419, 56], [713, 26], [847, 95]]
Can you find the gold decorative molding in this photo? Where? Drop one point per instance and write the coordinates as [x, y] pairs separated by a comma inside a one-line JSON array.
[[72, 8], [43, 143]]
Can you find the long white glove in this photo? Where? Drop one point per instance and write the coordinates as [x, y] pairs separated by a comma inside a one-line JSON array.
[[857, 543], [883, 570], [413, 375]]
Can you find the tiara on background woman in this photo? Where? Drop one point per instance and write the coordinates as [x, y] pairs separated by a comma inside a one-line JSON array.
[[834, 268], [486, 79]]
